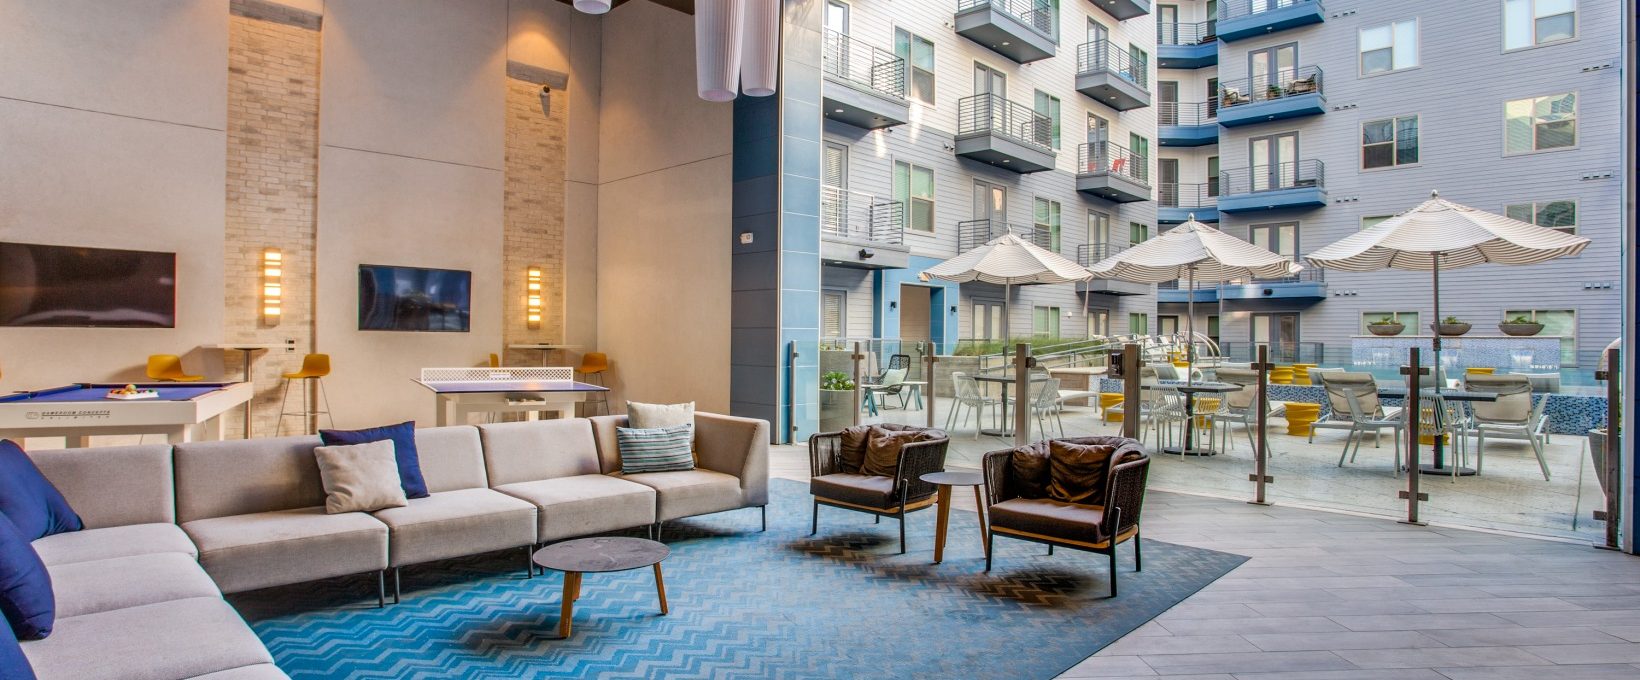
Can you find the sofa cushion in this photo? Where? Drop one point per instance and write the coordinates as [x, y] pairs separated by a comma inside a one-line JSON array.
[[105, 585], [656, 449], [403, 436], [852, 445], [13, 665], [246, 476], [259, 550], [455, 523], [1078, 473], [161, 641], [261, 671], [870, 491], [1051, 518], [360, 477], [111, 486], [686, 493], [26, 597], [35, 507], [102, 544], [1029, 469], [650, 416], [883, 449], [451, 458], [535, 450], [585, 504]]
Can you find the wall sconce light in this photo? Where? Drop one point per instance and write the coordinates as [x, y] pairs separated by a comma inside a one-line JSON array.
[[953, 309], [273, 289], [893, 305], [532, 301]]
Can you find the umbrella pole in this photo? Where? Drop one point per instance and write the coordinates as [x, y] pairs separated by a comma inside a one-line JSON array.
[[1435, 343], [1190, 335]]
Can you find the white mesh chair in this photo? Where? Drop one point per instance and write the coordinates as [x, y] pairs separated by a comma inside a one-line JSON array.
[[1515, 415], [967, 394], [1238, 408], [1338, 417], [1358, 403]]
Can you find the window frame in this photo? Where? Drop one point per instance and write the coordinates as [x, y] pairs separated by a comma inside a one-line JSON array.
[[1417, 49], [1577, 138], [1363, 221], [1503, 27], [1577, 212], [842, 312], [1395, 131], [907, 222], [1055, 224], [1144, 328], [1142, 226], [1054, 312], [910, 68], [1055, 115]]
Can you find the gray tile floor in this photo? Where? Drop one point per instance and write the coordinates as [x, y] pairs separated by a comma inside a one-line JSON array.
[[1343, 597]]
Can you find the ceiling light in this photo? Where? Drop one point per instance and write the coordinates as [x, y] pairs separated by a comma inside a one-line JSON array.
[[592, 6], [718, 25], [760, 47]]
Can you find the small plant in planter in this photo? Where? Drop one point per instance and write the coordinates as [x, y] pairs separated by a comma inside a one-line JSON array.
[[1386, 326], [836, 381], [1452, 326], [1520, 326], [836, 401]]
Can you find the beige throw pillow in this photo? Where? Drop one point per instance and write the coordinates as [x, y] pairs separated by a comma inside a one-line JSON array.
[[654, 416], [360, 477]]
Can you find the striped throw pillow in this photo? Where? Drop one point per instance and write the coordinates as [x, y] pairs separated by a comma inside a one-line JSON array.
[[658, 449]]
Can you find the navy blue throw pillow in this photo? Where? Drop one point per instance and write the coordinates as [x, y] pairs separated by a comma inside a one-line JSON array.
[[403, 436], [13, 665], [36, 507], [25, 586]]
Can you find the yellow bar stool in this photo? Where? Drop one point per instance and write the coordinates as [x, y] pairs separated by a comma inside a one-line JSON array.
[[495, 360], [314, 368], [168, 368], [592, 369]]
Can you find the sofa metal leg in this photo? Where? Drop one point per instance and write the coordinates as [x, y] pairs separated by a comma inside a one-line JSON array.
[[763, 512], [902, 530], [990, 536], [1050, 549], [398, 590], [876, 519], [815, 528], [529, 561], [381, 589], [658, 527], [1112, 554], [1138, 553]]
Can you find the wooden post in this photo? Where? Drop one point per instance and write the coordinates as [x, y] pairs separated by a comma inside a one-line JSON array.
[[1131, 406], [1261, 452], [1413, 371], [1613, 375], [928, 389], [856, 358], [1023, 361]]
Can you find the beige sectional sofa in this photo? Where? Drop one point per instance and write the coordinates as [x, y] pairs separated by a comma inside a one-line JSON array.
[[169, 529]]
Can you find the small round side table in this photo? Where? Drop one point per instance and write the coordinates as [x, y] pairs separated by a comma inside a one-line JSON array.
[[599, 555], [946, 480]]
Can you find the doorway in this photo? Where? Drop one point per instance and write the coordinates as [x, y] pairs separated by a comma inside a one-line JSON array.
[[1271, 66], [990, 203], [1278, 330], [987, 321], [1167, 97], [1273, 160], [1168, 187]]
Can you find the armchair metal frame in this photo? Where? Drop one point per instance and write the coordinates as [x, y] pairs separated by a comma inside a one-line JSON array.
[[910, 492]]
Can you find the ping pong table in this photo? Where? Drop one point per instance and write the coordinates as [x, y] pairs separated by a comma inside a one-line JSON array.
[[531, 390]]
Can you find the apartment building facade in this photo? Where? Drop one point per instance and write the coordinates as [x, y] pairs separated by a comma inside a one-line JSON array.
[[1294, 123]]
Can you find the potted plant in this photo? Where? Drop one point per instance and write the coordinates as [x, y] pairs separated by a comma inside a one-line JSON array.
[[1386, 326], [1520, 326], [1272, 92], [1451, 326], [836, 401]]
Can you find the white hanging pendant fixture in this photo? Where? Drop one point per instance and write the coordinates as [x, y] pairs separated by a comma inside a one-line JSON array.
[[718, 26], [592, 6], [760, 48]]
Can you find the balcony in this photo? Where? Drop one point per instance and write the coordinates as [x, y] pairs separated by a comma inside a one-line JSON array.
[[865, 86], [1089, 253], [861, 231], [1309, 283], [1187, 45], [1288, 93], [1240, 19], [1112, 173], [1187, 123], [1297, 184], [1021, 30], [1178, 292], [1011, 136], [1123, 10], [1111, 76], [1176, 203], [975, 233]]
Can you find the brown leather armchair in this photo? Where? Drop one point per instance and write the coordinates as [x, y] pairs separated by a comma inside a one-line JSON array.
[[1093, 528], [836, 479]]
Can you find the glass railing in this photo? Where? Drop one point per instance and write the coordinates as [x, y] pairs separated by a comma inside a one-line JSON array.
[[1187, 113], [1103, 56], [1108, 157], [1186, 34], [995, 114], [1039, 15], [1187, 195], [1288, 82], [861, 217], [1230, 9], [855, 61], [1273, 177]]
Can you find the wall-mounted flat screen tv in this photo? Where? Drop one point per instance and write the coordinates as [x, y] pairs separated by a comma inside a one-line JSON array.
[[414, 299], [43, 285]]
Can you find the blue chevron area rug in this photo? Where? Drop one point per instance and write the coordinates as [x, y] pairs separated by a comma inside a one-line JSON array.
[[744, 604]]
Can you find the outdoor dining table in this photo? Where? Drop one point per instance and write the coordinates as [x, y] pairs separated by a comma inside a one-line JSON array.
[[1439, 468], [1190, 391], [1007, 427]]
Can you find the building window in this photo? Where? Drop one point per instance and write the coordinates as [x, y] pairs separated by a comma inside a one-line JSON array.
[[833, 313], [1048, 222], [1389, 142], [1408, 319], [1138, 233], [1098, 323], [1540, 123], [1561, 322], [918, 53], [914, 189], [1527, 23], [1280, 238], [1390, 47], [1138, 324], [1213, 328], [1099, 232], [1045, 322], [1047, 106], [1560, 215], [1167, 324], [1371, 221]]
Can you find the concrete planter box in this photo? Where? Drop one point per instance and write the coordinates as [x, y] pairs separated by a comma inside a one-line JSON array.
[[836, 409], [943, 368], [1521, 330], [1386, 329]]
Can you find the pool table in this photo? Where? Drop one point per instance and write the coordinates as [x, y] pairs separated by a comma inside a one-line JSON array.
[[182, 411]]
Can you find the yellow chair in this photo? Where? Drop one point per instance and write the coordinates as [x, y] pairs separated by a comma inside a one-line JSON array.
[[592, 369], [168, 368], [314, 369], [495, 360]]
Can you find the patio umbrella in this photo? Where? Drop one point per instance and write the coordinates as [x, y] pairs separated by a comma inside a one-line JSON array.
[[1193, 251], [1440, 234], [1009, 261]]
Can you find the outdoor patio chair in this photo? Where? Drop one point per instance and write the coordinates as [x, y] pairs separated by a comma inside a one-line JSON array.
[[841, 476], [1238, 408], [1440, 417], [1338, 418], [1044, 405], [1517, 414], [1359, 400], [889, 384], [1019, 507], [967, 394]]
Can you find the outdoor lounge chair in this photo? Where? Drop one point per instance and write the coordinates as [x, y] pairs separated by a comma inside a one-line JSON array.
[[1516, 414], [1358, 401], [1237, 408], [839, 480]]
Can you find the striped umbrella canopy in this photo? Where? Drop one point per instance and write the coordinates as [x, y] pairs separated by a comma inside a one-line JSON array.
[[1009, 260]]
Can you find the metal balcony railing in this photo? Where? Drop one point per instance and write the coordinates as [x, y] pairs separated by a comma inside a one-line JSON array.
[[1188, 195], [1039, 15], [856, 61], [1187, 34], [1230, 9], [1187, 113], [1180, 284], [1089, 253], [1287, 82], [1103, 56], [1098, 157], [996, 115], [1273, 177], [975, 233], [1306, 275], [861, 217]]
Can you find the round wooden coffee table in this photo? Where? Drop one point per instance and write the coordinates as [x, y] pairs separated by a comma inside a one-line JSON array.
[[599, 555], [946, 480]]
